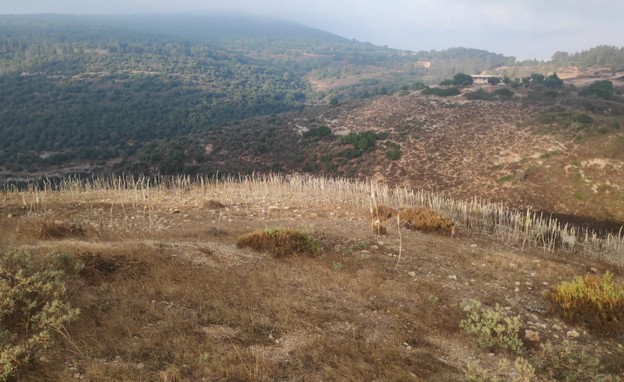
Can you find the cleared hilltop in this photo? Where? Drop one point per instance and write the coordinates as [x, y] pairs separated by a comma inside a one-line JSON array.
[[165, 293]]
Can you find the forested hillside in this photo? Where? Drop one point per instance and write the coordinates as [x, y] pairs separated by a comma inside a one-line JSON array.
[[85, 90], [603, 55]]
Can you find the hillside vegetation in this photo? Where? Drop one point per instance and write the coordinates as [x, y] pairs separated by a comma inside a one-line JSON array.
[[94, 89]]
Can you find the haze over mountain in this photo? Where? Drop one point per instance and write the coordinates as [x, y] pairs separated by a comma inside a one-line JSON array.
[[524, 28]]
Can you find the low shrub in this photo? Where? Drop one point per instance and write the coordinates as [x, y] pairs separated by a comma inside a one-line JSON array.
[[281, 242], [480, 95], [596, 300], [520, 371], [566, 362], [33, 305], [57, 229], [441, 92], [492, 328], [426, 220], [383, 213]]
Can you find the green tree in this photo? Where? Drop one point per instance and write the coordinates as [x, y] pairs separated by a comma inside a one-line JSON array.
[[602, 89], [493, 80], [553, 81], [462, 79]]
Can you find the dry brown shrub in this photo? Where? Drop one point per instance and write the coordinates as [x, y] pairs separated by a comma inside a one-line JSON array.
[[426, 220], [379, 228], [57, 229], [213, 205], [383, 213], [281, 242]]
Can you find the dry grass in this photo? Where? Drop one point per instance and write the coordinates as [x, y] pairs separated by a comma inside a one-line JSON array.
[[426, 220], [56, 229], [165, 293]]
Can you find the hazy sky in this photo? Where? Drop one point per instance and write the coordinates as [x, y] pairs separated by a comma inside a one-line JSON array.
[[522, 28]]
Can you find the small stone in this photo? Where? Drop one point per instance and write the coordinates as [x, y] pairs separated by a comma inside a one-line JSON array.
[[491, 354], [176, 212], [140, 365], [556, 336], [517, 290], [271, 337], [374, 247], [531, 335], [9, 216], [473, 245], [572, 334], [452, 277], [593, 270], [556, 327], [411, 274], [517, 283], [76, 375]]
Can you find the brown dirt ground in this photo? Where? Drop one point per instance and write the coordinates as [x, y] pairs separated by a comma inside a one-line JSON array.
[[167, 296]]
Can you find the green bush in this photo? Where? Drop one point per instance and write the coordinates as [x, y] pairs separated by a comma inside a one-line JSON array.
[[462, 79], [33, 305], [320, 132], [441, 92], [492, 328], [567, 362], [593, 299], [520, 371], [504, 93], [602, 89], [362, 141]]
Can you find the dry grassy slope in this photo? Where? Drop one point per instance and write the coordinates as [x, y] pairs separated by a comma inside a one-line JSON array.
[[491, 150], [166, 296]]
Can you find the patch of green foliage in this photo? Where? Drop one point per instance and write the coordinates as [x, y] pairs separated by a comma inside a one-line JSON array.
[[441, 92], [362, 141], [320, 132], [506, 178], [462, 79], [596, 300], [492, 328], [601, 89], [33, 305]]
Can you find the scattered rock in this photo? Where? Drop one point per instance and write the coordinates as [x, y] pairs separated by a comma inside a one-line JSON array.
[[9, 216], [77, 375], [452, 277], [531, 335], [473, 245], [374, 247], [411, 274], [572, 334], [593, 270], [140, 365], [556, 327], [176, 211]]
